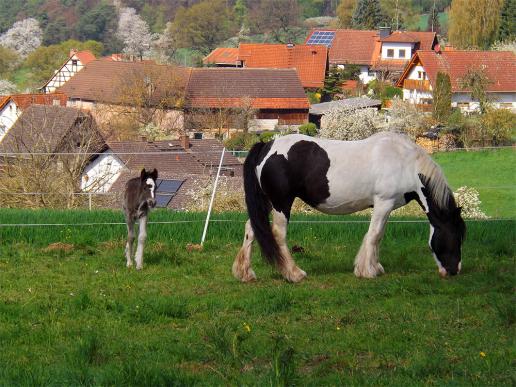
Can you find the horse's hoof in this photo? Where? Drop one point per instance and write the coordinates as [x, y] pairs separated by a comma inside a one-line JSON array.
[[139, 267], [296, 275], [129, 264], [366, 273]]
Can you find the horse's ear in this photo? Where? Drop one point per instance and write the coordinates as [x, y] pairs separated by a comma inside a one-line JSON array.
[[154, 174], [143, 174]]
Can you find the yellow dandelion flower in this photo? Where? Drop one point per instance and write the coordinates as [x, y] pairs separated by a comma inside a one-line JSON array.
[[482, 354]]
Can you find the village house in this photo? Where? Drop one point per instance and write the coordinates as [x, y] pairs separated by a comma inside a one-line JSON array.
[[176, 97], [311, 62], [276, 96], [380, 54], [12, 106], [141, 92], [185, 166], [75, 63], [419, 77]]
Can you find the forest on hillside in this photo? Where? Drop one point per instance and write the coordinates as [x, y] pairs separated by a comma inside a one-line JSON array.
[[37, 35]]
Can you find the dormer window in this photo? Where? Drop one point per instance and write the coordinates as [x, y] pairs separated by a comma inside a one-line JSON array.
[[390, 53], [401, 53]]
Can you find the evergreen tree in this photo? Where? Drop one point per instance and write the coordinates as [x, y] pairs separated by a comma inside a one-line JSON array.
[[442, 97], [368, 15], [507, 29]]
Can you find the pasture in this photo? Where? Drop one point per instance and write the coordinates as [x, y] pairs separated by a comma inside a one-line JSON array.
[[72, 314]]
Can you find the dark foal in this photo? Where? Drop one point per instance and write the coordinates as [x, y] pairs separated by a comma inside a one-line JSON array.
[[139, 199]]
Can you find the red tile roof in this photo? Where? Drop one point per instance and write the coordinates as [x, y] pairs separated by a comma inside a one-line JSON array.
[[228, 87], [85, 56], [222, 55], [499, 67], [107, 81], [309, 61], [25, 100], [364, 46]]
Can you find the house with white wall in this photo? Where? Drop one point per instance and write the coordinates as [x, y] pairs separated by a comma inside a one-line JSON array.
[[379, 54], [75, 63], [419, 77], [12, 106]]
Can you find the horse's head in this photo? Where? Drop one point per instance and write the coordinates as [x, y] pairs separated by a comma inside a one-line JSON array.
[[148, 188], [446, 239]]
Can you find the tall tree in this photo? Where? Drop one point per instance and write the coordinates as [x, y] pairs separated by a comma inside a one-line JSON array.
[[23, 37], [134, 33], [433, 21], [368, 15], [399, 13], [345, 12], [476, 81], [278, 18], [203, 26], [507, 29], [474, 23]]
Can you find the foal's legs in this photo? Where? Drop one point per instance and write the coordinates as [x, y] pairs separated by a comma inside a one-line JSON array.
[[142, 235], [288, 267], [129, 244], [366, 261], [242, 266]]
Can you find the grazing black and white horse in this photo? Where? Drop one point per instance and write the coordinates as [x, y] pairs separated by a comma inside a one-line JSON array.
[[139, 199], [384, 171]]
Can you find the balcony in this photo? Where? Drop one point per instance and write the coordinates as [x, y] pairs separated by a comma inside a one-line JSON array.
[[416, 84]]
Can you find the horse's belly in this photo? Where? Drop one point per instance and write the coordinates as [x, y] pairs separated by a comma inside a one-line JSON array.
[[341, 207]]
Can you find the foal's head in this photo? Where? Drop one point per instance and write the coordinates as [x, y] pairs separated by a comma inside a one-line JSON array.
[[446, 241], [147, 194]]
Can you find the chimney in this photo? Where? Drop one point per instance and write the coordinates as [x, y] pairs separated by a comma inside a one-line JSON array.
[[384, 32], [73, 51], [290, 45], [184, 140]]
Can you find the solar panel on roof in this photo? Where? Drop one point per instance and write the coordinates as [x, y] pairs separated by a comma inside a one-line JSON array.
[[166, 190], [163, 200], [168, 186], [322, 37]]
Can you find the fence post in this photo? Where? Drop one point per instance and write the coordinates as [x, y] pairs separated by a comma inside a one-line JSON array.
[[212, 198], [89, 200]]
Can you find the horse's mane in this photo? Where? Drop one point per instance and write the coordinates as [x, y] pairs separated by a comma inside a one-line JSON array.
[[435, 182]]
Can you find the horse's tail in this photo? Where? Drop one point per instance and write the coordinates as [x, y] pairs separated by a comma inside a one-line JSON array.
[[259, 206], [434, 180]]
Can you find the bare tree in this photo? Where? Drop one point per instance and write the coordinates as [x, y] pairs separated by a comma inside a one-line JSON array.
[[147, 100], [44, 155]]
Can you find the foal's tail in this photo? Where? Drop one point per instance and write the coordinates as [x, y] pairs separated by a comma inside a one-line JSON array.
[[259, 206]]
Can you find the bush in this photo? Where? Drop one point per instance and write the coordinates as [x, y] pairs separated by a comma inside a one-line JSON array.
[[405, 117], [267, 136], [499, 126], [308, 129], [349, 124], [241, 141]]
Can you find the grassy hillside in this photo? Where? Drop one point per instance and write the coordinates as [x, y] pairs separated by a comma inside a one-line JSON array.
[[491, 172], [71, 313], [423, 21]]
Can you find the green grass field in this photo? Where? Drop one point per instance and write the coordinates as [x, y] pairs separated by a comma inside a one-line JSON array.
[[492, 173], [72, 314]]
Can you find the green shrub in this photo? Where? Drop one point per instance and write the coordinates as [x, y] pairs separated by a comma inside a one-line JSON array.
[[267, 136], [499, 125], [308, 129], [241, 141]]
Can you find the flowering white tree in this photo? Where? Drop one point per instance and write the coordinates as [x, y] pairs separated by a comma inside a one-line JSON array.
[[351, 124], [134, 32], [7, 87], [23, 37]]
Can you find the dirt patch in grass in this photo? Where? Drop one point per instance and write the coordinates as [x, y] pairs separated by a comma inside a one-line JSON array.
[[59, 246]]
